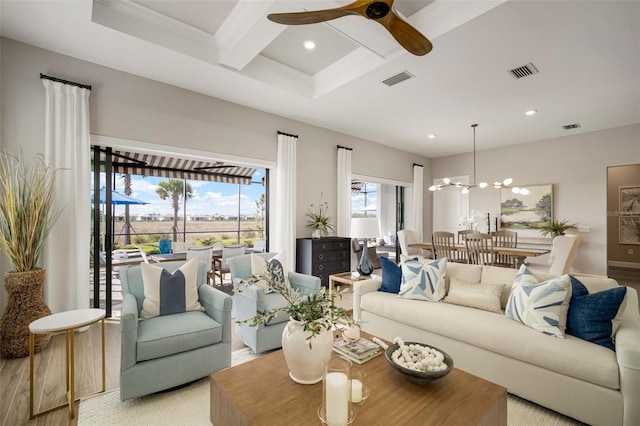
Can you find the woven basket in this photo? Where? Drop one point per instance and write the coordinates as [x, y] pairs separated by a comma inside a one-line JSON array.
[[24, 305]]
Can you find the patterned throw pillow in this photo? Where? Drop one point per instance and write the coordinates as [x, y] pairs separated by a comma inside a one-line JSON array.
[[391, 276], [166, 293], [475, 295], [259, 266], [541, 306], [595, 317], [423, 281]]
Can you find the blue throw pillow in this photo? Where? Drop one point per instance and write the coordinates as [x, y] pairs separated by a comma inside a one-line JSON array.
[[391, 276], [591, 316]]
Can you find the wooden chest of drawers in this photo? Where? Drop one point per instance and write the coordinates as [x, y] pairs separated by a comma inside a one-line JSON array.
[[323, 256]]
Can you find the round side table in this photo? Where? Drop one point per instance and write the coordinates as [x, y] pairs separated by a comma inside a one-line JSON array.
[[67, 322]]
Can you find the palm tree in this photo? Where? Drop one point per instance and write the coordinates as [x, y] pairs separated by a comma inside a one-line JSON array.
[[174, 189]]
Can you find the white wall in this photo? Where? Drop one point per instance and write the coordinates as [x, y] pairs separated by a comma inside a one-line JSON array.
[[575, 165], [129, 107]]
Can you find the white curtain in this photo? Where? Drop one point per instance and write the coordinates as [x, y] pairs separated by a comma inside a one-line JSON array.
[[417, 191], [283, 207], [343, 215], [67, 147]]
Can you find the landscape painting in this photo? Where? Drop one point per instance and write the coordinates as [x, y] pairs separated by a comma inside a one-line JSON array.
[[519, 211]]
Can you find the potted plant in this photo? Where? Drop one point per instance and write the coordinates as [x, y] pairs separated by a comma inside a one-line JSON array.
[[556, 228], [27, 215], [307, 340], [318, 220]]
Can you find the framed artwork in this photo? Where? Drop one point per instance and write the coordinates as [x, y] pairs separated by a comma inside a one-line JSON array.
[[629, 229], [519, 211], [630, 200]]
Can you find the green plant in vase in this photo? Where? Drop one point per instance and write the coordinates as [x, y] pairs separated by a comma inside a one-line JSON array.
[[307, 339], [318, 220], [556, 228], [316, 312]]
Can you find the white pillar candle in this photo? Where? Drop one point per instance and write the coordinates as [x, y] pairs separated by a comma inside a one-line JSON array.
[[337, 404], [356, 391]]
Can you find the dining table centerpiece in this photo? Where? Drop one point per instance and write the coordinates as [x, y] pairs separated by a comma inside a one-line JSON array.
[[307, 340], [27, 215]]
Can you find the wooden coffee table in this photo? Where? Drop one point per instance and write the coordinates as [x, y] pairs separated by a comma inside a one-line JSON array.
[[260, 392]]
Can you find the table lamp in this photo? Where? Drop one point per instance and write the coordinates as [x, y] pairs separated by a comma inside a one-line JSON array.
[[363, 228]]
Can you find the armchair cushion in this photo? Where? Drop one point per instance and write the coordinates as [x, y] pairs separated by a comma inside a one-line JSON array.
[[166, 293], [167, 335]]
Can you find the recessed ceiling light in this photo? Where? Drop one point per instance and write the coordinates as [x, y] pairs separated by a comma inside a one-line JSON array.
[[432, 136], [531, 112], [309, 45]]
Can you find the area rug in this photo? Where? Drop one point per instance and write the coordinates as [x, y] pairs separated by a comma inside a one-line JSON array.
[[189, 405]]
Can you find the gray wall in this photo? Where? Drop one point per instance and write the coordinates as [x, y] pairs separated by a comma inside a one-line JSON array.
[[126, 106], [575, 165]]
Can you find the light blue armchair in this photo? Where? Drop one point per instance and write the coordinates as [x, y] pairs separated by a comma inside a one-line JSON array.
[[166, 351], [252, 300]]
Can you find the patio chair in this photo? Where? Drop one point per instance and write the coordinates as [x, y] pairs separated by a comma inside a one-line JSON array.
[[220, 264]]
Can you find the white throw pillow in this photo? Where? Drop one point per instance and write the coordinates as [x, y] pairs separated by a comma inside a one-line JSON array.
[[259, 266], [423, 281], [541, 306], [166, 293], [475, 295]]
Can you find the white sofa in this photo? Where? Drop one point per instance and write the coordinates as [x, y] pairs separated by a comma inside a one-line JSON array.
[[574, 377]]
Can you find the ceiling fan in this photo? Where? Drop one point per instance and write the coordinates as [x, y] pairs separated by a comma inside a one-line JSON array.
[[380, 11]]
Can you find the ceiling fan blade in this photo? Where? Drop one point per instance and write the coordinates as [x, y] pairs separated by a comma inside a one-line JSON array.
[[408, 37], [310, 17]]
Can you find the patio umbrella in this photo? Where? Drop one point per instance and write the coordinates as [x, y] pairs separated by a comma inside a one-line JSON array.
[[118, 198]]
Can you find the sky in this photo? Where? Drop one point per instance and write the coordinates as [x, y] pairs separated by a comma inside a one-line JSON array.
[[211, 198], [208, 197]]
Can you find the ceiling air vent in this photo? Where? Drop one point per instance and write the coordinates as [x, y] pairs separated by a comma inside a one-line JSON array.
[[571, 126], [524, 71], [398, 78]]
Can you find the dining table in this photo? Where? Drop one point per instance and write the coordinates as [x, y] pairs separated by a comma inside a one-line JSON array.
[[518, 253]]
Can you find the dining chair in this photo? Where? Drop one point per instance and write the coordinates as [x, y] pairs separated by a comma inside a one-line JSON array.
[[563, 250], [504, 239], [462, 234], [204, 255], [444, 246], [479, 249], [220, 265]]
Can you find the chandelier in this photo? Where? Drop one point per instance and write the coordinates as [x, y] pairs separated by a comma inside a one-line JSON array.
[[465, 188]]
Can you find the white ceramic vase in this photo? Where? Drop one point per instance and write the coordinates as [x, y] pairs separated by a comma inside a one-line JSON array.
[[306, 365]]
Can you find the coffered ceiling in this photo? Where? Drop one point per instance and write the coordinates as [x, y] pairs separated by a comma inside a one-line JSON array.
[[587, 54]]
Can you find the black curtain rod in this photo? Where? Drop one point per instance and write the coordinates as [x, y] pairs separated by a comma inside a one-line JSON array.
[[59, 80], [416, 164], [345, 147], [287, 134]]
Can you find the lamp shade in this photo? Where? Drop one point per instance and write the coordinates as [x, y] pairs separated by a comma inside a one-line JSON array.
[[364, 227]]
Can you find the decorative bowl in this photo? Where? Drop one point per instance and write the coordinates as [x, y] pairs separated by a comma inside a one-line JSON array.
[[419, 377]]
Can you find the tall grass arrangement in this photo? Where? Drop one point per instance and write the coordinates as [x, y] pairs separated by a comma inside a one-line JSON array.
[[27, 211]]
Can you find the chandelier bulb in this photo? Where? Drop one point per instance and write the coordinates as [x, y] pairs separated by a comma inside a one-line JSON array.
[[515, 190], [432, 188], [507, 181], [465, 190], [446, 180], [525, 191], [483, 184]]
